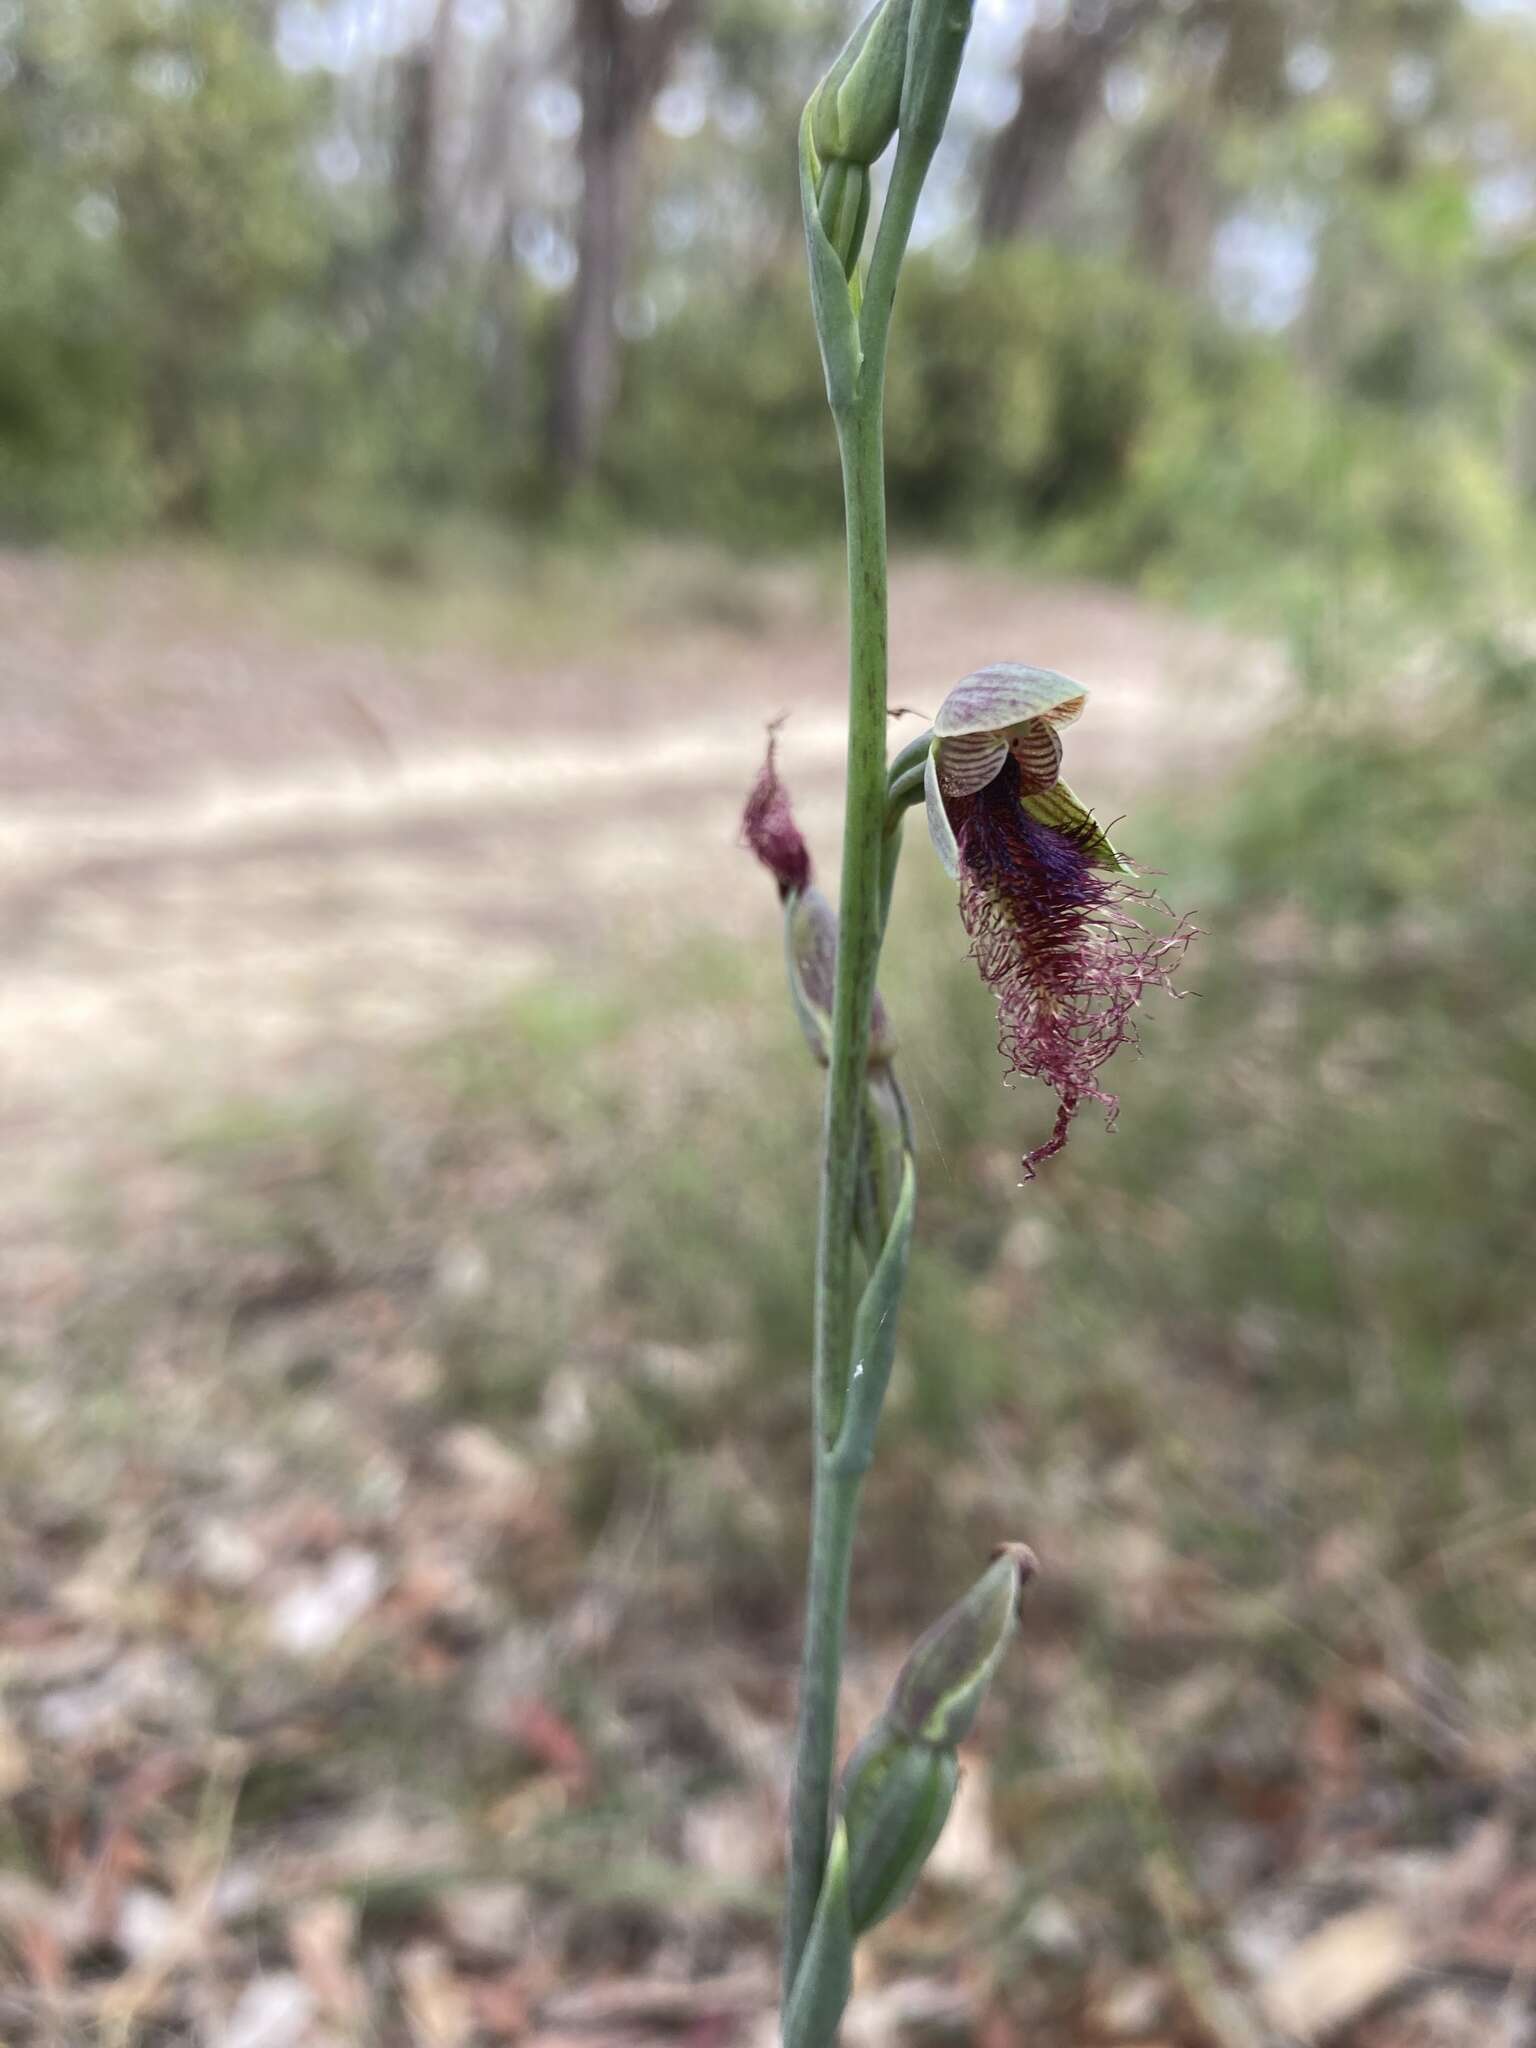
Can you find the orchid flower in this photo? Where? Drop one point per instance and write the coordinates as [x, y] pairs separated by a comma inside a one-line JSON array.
[[1048, 904]]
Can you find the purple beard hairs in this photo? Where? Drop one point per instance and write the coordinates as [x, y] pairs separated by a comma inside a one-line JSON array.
[[1057, 942]]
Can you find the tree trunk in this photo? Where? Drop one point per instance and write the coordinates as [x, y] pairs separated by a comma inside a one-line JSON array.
[[621, 62], [1176, 201], [585, 375], [1178, 192], [1061, 91], [418, 170]]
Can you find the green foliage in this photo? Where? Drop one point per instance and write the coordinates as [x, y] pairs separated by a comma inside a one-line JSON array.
[[1066, 401], [156, 224], [195, 331], [73, 455], [763, 469], [199, 325]]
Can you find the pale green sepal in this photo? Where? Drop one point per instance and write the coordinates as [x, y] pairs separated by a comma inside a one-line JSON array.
[[837, 327], [1007, 693], [874, 1334], [896, 1796], [939, 1690], [814, 2009], [1058, 807], [940, 831]]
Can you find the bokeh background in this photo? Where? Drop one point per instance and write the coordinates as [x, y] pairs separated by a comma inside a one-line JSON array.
[[416, 499]]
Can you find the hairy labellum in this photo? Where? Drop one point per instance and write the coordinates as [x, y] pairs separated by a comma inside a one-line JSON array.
[[1056, 940]]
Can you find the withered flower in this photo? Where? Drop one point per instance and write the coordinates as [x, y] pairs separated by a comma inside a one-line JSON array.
[[1048, 904], [768, 827]]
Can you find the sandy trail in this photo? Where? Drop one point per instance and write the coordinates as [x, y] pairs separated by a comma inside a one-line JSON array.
[[231, 857]]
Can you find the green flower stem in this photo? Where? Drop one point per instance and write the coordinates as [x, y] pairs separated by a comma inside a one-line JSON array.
[[914, 755], [939, 31], [890, 855], [836, 1492], [859, 933], [855, 367], [874, 1335], [906, 789], [834, 1511]]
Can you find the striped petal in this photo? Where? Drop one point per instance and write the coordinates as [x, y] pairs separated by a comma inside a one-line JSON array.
[[970, 762], [1037, 749]]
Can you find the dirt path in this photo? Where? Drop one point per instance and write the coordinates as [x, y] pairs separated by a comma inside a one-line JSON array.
[[241, 841]]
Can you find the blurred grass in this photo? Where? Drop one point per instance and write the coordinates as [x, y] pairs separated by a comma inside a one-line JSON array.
[[1291, 1283]]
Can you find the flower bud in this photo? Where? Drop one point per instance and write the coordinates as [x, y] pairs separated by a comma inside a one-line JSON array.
[[854, 110], [899, 1784], [895, 1798], [939, 1690]]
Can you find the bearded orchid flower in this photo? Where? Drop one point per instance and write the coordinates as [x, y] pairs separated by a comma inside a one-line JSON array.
[[1050, 907]]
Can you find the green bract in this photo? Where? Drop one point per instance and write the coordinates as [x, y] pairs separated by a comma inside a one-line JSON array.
[[837, 327], [896, 1796]]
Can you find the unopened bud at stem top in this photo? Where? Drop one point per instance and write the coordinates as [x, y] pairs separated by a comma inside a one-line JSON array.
[[855, 108]]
